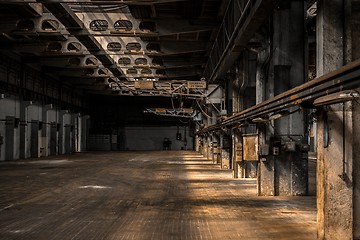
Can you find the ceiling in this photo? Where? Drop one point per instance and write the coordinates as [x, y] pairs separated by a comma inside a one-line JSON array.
[[146, 47]]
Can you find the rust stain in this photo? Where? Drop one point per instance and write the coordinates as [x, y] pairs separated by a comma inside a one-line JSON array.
[[295, 96], [297, 102], [292, 97]]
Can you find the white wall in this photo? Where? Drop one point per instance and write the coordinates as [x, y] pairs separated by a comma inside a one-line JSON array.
[[12, 106]]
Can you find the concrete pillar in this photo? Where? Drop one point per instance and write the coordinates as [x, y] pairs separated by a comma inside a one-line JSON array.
[[61, 130], [355, 29], [334, 173], [53, 148], [74, 133], [67, 138], [215, 148], [225, 148], [329, 36], [356, 169], [45, 131], [338, 170], [24, 133], [35, 135], [84, 132], [355, 54], [286, 173], [265, 173], [9, 137], [208, 146], [237, 152]]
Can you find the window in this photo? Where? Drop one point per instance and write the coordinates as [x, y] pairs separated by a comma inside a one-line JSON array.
[[99, 25], [114, 46], [146, 71], [123, 25], [134, 46], [50, 25], [131, 71], [124, 61], [141, 61]]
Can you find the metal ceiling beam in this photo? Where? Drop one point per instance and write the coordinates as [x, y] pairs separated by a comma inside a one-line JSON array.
[[241, 21], [95, 2]]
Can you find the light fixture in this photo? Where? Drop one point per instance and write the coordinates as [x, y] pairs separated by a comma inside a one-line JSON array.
[[339, 97]]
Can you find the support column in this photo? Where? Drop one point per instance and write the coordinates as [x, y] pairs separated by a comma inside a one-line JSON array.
[[266, 166], [355, 52], [67, 138], [356, 169], [85, 132], [9, 137], [53, 138], [225, 146], [334, 173], [215, 148], [24, 128], [62, 138], [286, 173], [338, 170], [74, 133], [35, 150], [208, 146], [237, 152], [45, 131]]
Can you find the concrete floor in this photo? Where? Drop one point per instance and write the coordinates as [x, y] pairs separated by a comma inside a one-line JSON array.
[[142, 195]]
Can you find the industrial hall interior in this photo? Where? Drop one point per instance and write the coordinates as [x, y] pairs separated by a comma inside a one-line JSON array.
[[180, 119]]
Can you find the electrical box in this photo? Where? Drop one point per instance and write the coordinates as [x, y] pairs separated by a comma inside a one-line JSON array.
[[290, 146], [178, 136], [304, 147], [264, 150], [276, 151]]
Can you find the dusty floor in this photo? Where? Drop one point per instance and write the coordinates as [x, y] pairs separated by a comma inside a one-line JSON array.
[[142, 195]]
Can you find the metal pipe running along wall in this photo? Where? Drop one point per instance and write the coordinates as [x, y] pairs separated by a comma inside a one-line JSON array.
[[345, 78]]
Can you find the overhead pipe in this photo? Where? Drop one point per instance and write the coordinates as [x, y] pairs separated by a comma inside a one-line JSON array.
[[345, 78]]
